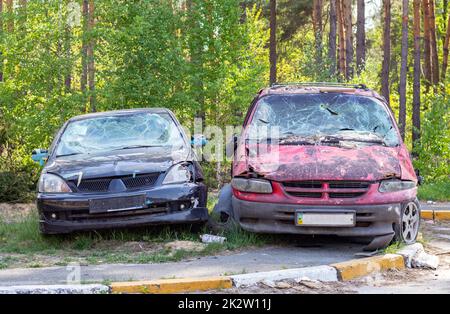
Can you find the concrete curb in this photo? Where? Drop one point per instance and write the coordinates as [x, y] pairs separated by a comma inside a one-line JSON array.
[[361, 267], [56, 289], [321, 273], [440, 215], [172, 285]]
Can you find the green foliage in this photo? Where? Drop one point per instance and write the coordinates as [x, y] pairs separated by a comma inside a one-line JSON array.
[[435, 191], [433, 149]]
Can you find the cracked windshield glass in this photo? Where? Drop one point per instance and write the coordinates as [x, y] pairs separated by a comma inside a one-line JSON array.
[[119, 132], [325, 117]]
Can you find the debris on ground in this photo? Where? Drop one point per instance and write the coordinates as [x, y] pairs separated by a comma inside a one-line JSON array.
[[425, 260], [209, 238], [185, 245], [416, 257]]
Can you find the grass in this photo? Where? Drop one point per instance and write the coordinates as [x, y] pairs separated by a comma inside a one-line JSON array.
[[435, 191], [22, 244]]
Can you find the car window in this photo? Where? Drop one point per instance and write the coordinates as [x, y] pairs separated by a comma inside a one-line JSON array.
[[119, 131], [324, 114]]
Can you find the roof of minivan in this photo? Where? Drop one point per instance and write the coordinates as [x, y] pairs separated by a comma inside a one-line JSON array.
[[119, 112], [306, 88]]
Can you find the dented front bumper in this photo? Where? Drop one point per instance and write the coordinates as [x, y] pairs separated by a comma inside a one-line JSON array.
[[371, 220], [166, 204]]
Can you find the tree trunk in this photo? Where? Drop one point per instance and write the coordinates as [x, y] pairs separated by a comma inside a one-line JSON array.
[[386, 50], [403, 70], [433, 44], [318, 29], [273, 42], [360, 37], [426, 44], [83, 79], [446, 48], [22, 15], [10, 10], [341, 37], [90, 57], [347, 12], [416, 84], [1, 36], [332, 38]]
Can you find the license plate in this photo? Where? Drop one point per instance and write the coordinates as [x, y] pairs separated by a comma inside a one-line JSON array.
[[116, 204], [312, 219]]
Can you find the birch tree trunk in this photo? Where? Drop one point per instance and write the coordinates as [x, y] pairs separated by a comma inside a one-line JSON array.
[[347, 12], [426, 43], [332, 38], [446, 49], [386, 50], [273, 42], [403, 69], [433, 44], [360, 36], [318, 29], [416, 84], [90, 57], [341, 37]]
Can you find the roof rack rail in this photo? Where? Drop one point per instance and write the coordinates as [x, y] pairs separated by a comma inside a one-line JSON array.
[[320, 84]]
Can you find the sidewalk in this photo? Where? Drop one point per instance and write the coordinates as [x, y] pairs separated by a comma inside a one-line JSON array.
[[439, 206], [256, 260]]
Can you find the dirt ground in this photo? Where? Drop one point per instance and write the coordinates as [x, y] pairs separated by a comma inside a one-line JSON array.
[[13, 212]]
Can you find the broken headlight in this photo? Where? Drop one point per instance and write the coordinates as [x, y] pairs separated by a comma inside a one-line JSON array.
[[50, 183], [251, 185], [177, 174], [395, 185]]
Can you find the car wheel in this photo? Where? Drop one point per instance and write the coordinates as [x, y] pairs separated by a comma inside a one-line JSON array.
[[408, 229]]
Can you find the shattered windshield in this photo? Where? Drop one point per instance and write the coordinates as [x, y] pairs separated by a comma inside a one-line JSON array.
[[117, 132], [327, 115]]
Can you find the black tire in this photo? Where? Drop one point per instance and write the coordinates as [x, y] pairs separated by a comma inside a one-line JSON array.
[[221, 223], [407, 231]]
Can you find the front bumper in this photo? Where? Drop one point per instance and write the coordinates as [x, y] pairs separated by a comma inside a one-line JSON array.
[[66, 213], [371, 220]]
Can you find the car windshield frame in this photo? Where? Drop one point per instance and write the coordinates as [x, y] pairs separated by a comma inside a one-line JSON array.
[[260, 129], [176, 133]]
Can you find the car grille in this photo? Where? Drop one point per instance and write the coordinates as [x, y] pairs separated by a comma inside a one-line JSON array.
[[102, 184], [330, 189]]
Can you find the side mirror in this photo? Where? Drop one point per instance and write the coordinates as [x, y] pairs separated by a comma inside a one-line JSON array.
[[40, 156], [232, 145], [198, 140], [420, 178]]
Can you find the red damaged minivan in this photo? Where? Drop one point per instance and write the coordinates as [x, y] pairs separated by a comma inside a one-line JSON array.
[[322, 158]]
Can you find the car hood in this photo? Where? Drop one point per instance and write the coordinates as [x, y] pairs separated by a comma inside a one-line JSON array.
[[288, 162], [117, 163]]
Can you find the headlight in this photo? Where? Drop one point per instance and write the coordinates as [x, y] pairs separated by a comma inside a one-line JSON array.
[[395, 185], [251, 185], [50, 183], [177, 174]]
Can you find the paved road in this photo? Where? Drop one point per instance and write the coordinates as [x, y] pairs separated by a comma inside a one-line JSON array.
[[437, 206], [309, 253]]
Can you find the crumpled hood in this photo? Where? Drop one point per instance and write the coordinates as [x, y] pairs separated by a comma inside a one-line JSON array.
[[115, 163], [285, 162]]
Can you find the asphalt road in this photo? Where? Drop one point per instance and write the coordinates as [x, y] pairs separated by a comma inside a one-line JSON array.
[[307, 252]]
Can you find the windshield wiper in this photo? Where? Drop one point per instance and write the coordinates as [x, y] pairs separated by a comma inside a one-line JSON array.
[[137, 146], [336, 139], [65, 155]]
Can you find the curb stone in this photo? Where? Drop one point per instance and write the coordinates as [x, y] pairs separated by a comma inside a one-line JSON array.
[[56, 289], [430, 214]]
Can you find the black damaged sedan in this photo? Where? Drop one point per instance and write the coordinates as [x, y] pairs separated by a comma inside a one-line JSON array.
[[116, 169]]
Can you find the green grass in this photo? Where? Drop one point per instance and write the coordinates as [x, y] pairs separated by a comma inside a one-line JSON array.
[[23, 239], [435, 191]]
